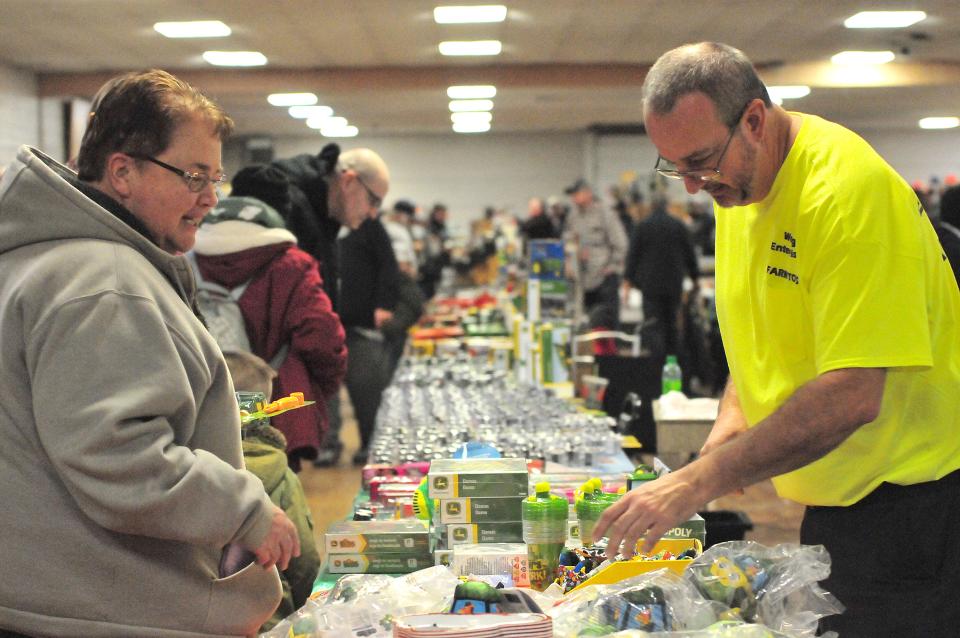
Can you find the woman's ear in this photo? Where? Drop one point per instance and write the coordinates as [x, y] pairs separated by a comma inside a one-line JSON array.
[[119, 171]]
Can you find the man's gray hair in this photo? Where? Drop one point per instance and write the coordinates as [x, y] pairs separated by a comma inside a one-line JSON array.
[[367, 164], [721, 72]]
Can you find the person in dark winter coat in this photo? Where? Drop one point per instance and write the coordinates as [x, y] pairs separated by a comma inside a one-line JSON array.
[[661, 254], [329, 190], [368, 297], [284, 304]]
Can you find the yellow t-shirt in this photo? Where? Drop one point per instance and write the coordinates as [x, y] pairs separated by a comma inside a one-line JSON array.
[[839, 267]]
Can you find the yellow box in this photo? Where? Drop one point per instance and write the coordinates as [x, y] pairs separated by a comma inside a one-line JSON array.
[[623, 569]]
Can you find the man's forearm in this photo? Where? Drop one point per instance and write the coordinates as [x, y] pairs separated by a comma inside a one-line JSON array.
[[815, 420]]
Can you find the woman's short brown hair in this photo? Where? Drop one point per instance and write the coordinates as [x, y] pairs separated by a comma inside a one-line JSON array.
[[137, 113]]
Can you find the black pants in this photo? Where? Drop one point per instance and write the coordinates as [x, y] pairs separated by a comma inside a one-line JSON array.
[[895, 560], [602, 304], [663, 331], [368, 364]]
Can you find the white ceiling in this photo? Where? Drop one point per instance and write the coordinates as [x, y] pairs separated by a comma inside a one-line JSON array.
[[566, 64]]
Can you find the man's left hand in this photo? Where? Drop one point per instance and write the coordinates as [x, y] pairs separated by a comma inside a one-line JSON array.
[[649, 512]]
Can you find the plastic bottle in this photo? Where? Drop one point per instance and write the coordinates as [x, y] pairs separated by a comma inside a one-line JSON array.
[[545, 533], [590, 507], [672, 375]]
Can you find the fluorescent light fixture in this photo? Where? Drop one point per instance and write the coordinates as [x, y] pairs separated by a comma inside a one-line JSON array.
[[308, 111], [471, 14], [477, 116], [787, 92], [471, 91], [939, 122], [471, 127], [235, 58], [292, 99], [193, 29], [470, 47], [883, 19], [342, 131], [327, 122], [460, 106], [790, 91], [863, 57]]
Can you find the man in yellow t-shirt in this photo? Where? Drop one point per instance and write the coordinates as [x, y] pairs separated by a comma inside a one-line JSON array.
[[841, 321]]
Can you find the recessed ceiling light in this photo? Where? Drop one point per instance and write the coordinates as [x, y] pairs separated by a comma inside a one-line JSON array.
[[863, 57], [787, 92], [327, 122], [304, 112], [471, 127], [235, 58], [883, 19], [477, 116], [344, 131], [939, 122], [292, 99], [472, 14], [193, 29], [471, 47], [458, 106], [471, 91]]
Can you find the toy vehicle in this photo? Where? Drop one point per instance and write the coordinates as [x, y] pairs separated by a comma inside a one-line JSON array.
[[643, 609]]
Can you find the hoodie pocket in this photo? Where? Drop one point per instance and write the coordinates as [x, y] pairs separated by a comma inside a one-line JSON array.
[[240, 603]]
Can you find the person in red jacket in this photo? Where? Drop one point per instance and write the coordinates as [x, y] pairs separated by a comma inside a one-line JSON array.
[[244, 239]]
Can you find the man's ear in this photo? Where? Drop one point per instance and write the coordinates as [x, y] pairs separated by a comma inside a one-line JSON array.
[[118, 173], [755, 117]]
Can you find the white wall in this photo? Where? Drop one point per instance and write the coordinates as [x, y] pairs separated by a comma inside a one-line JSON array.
[[467, 172], [19, 111], [917, 154]]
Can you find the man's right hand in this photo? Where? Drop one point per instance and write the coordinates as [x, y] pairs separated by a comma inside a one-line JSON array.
[[281, 544]]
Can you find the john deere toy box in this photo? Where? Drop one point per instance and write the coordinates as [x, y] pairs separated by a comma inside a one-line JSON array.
[[693, 528], [378, 537], [455, 478], [378, 563], [459, 533], [481, 510]]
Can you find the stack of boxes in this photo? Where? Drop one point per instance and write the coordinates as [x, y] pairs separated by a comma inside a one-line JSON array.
[[378, 547], [478, 502]]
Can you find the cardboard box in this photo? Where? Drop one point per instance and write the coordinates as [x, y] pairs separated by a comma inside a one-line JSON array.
[[443, 557], [377, 537], [696, 528], [492, 559], [455, 478], [481, 510], [378, 563], [458, 534]]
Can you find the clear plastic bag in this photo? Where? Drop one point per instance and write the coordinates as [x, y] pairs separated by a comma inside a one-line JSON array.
[[653, 602], [366, 604], [773, 586]]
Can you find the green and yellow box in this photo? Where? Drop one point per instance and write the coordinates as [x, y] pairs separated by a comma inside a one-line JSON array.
[[378, 563], [461, 533], [457, 478], [377, 537], [481, 510]]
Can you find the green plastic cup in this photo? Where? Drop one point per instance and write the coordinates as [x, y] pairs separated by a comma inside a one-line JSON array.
[[545, 533]]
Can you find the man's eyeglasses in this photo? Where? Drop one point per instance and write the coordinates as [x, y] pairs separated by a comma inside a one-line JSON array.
[[196, 182], [669, 169], [374, 199]]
